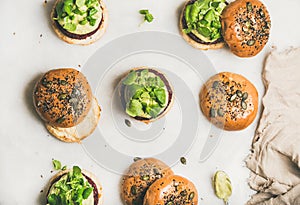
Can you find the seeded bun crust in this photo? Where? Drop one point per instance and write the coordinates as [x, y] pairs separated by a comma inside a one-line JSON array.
[[192, 42], [96, 183], [245, 27], [62, 97], [88, 39], [168, 85], [176, 189], [229, 101], [140, 175]]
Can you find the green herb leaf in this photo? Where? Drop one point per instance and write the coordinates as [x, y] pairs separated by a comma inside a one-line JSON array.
[[80, 3], [56, 164], [59, 9], [134, 108], [149, 17], [64, 168], [92, 21], [92, 11], [83, 22], [87, 192], [53, 199], [76, 171], [160, 94], [130, 79], [144, 11]]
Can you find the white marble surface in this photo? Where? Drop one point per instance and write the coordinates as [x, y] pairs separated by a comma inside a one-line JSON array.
[[29, 47]]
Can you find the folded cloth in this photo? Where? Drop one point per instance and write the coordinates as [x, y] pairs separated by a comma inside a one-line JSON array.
[[275, 156]]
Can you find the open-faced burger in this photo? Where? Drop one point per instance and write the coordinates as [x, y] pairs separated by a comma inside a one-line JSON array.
[[146, 94], [74, 186], [64, 100], [79, 21], [200, 23]]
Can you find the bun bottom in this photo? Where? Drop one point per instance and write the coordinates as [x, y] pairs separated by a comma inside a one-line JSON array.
[[193, 43], [90, 39], [86, 173], [80, 131]]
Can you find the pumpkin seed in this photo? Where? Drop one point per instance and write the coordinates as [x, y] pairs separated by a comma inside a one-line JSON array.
[[133, 190], [220, 112], [215, 84], [244, 105], [170, 203], [183, 193], [60, 120], [128, 123], [232, 98], [239, 93], [250, 42], [62, 96], [192, 195], [183, 160], [245, 96], [63, 82], [145, 177], [249, 6], [212, 112], [136, 159]]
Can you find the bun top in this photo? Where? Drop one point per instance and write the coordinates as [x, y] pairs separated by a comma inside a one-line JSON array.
[[62, 97], [140, 175], [172, 190], [246, 27], [229, 101]]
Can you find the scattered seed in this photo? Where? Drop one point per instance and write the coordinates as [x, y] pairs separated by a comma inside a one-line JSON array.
[[183, 193], [249, 6], [250, 42], [145, 177], [170, 203], [128, 123], [183, 160], [136, 159], [215, 84]]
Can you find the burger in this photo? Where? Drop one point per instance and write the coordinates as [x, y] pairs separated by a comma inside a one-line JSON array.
[[63, 99]]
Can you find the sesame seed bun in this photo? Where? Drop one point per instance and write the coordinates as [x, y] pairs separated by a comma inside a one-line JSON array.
[[140, 175], [171, 190], [229, 101], [246, 27]]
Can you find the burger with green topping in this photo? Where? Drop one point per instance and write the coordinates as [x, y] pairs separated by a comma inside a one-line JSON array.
[[146, 94], [200, 23], [76, 187], [79, 21]]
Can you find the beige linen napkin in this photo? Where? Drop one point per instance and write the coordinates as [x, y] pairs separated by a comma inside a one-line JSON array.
[[275, 158]]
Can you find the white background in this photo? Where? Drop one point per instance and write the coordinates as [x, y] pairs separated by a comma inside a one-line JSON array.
[[29, 47]]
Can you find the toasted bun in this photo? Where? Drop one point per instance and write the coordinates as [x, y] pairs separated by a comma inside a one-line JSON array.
[[229, 101], [176, 189], [87, 175], [168, 85], [192, 42], [245, 27], [87, 39], [140, 175], [62, 97], [80, 131]]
